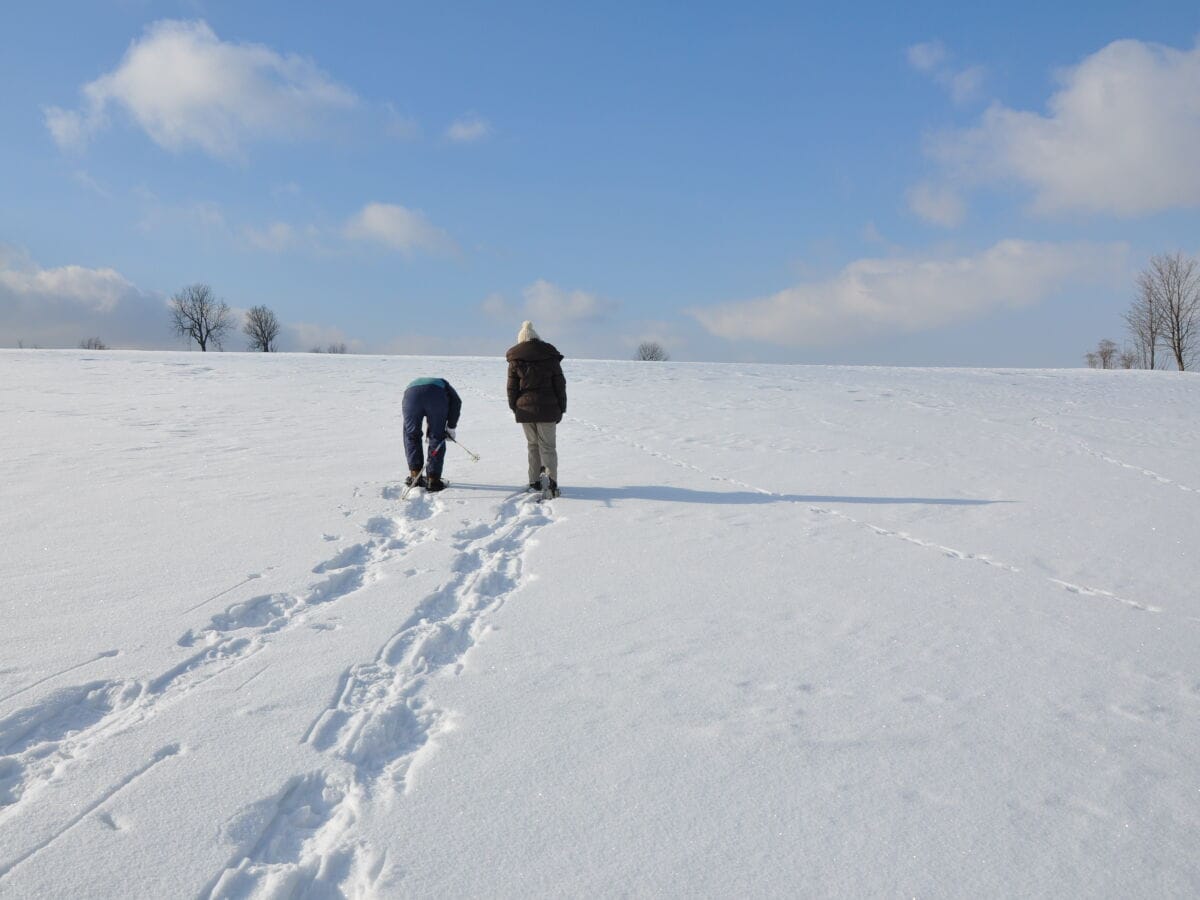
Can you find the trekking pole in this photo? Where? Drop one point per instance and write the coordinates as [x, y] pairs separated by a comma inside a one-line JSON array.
[[408, 487], [474, 456]]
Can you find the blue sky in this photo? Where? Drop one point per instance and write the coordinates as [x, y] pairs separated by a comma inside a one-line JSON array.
[[931, 185]]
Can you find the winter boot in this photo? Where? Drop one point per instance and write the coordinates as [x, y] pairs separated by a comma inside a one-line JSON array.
[[415, 478], [435, 483]]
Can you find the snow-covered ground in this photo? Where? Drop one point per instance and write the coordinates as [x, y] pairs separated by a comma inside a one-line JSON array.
[[790, 631]]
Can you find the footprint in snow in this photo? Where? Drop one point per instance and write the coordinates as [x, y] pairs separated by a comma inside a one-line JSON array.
[[352, 556]]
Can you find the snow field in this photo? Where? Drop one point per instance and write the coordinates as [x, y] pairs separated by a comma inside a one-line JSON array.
[[790, 631]]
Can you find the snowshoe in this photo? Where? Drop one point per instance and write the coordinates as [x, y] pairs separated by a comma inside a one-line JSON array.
[[548, 486]]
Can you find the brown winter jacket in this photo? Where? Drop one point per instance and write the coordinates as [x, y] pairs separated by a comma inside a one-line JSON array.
[[537, 389]]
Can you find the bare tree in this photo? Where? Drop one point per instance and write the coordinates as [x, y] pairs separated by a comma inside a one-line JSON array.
[[651, 351], [1166, 311], [196, 313], [1127, 359], [1144, 320], [339, 347], [262, 327], [1178, 279], [1103, 357], [92, 343]]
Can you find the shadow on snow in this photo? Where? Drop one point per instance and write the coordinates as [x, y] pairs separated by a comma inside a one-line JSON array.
[[669, 494]]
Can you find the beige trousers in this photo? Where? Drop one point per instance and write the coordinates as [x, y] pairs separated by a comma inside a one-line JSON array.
[[542, 452]]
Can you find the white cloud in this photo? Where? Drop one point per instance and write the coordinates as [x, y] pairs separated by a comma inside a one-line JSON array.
[[93, 290], [60, 306], [939, 205], [402, 229], [279, 237], [549, 302], [873, 296], [965, 85], [69, 129], [1119, 136], [275, 238], [186, 88], [932, 59], [546, 302], [927, 56], [468, 129]]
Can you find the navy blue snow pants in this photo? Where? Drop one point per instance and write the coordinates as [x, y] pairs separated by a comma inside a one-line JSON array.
[[428, 402]]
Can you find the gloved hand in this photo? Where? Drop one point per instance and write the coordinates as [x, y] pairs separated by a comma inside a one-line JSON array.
[[450, 433]]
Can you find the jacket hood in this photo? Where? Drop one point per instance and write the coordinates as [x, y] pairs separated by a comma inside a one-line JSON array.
[[532, 351]]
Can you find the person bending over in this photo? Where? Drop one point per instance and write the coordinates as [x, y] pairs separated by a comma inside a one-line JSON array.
[[435, 402]]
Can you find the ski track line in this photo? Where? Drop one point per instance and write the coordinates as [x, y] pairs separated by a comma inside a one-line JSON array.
[[1099, 454], [253, 677], [948, 552], [377, 728], [249, 578], [163, 754], [39, 742], [105, 654]]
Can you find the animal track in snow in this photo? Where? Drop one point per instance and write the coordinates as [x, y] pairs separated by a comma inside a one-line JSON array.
[[909, 538], [979, 557], [1092, 451], [920, 542], [1107, 595]]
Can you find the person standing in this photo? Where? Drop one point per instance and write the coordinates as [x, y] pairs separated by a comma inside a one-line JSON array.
[[435, 402], [537, 395]]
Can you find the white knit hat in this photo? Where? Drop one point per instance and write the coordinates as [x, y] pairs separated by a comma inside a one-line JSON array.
[[526, 333]]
